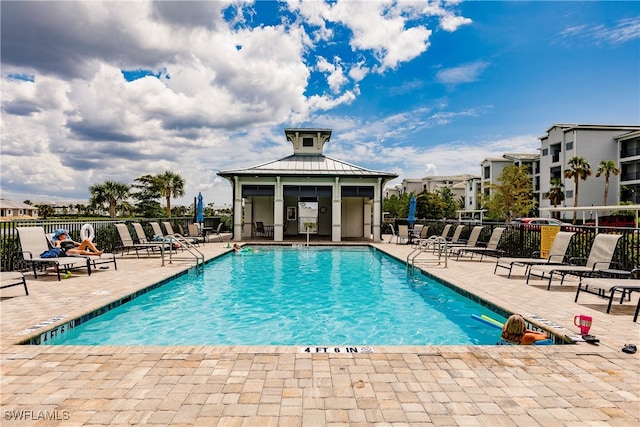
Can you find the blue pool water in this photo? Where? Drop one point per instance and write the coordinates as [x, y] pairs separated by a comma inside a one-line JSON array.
[[293, 296]]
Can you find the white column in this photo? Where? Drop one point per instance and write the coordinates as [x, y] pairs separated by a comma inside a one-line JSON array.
[[237, 211], [377, 211], [278, 209], [336, 212]]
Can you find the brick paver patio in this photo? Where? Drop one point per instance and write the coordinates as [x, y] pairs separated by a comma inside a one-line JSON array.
[[570, 385]]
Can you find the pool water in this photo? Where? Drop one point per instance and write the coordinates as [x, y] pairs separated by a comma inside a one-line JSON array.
[[294, 296]]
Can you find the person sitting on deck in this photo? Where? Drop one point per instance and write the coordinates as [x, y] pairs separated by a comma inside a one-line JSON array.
[[515, 331], [68, 247]]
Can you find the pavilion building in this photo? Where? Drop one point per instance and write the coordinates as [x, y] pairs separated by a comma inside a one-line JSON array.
[[307, 193]]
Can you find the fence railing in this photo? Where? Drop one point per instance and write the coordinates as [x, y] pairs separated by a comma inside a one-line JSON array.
[[106, 236]]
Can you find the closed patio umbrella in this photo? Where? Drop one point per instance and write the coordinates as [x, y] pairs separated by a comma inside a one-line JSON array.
[[200, 211], [411, 219]]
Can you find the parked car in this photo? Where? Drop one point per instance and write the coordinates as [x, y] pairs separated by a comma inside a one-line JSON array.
[[615, 221], [536, 222]]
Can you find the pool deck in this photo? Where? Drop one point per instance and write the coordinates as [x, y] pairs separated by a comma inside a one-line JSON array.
[[562, 385]]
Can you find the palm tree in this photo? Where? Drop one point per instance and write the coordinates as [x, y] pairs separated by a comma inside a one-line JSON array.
[[111, 192], [556, 195], [172, 184], [579, 168], [606, 168]]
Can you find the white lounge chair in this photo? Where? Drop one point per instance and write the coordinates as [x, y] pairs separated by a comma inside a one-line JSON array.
[[34, 242], [557, 255], [600, 256]]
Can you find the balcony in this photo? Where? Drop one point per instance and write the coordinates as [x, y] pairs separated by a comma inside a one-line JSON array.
[[630, 152]]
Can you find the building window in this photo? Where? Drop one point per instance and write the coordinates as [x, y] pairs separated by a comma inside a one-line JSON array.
[[545, 151], [569, 145], [487, 172], [569, 194], [307, 142]]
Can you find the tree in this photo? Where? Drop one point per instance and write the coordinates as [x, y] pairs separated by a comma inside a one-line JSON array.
[[512, 196], [172, 185], [606, 168], [556, 195], [147, 195], [111, 193], [579, 168], [45, 211]]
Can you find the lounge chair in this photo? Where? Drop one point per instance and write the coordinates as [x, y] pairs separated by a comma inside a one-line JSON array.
[[600, 256], [610, 286], [403, 233], [393, 233], [557, 255], [455, 239], [218, 233], [13, 278], [490, 250], [445, 231], [34, 242], [127, 242], [421, 237], [170, 232], [194, 232], [471, 243]]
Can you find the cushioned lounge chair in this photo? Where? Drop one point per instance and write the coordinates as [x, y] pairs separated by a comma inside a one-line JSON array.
[[600, 256], [557, 255], [9, 279], [490, 250], [607, 287], [34, 242]]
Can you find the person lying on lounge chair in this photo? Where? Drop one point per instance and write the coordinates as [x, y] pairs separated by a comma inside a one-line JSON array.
[[68, 247], [515, 331]]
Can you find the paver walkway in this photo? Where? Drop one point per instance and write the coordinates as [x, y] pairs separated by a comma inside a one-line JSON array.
[[572, 385]]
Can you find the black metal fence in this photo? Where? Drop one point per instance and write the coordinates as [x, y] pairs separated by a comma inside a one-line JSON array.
[[106, 236]]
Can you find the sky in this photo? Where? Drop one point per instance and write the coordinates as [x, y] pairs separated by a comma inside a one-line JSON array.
[[97, 91]]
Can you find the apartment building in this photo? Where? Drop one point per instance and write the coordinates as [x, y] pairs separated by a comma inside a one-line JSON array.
[[595, 143], [629, 163]]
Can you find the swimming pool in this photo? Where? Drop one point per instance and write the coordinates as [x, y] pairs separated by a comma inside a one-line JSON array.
[[337, 296]]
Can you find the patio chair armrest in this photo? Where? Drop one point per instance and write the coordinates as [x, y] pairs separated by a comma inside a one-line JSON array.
[[607, 264], [574, 260], [27, 253], [553, 257]]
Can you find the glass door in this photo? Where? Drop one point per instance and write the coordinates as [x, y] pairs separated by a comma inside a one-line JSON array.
[[308, 217]]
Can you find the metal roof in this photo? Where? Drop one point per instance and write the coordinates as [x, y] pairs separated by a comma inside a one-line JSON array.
[[306, 165]]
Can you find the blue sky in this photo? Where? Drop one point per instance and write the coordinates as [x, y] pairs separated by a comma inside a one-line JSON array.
[[96, 91]]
